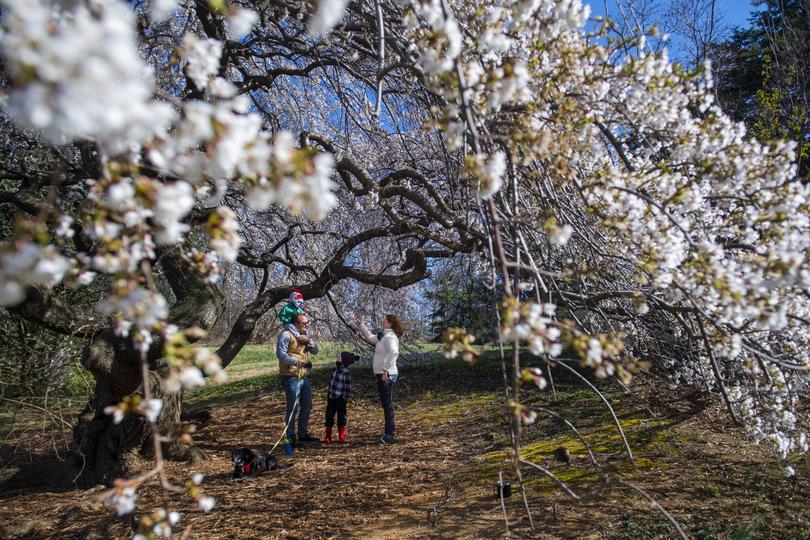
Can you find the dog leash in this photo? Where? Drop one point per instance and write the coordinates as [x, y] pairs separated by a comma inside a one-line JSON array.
[[292, 413]]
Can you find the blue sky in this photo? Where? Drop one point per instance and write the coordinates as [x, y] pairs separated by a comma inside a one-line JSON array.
[[731, 13], [734, 12]]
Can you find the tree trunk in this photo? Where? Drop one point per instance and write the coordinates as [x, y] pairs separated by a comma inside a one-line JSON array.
[[103, 450]]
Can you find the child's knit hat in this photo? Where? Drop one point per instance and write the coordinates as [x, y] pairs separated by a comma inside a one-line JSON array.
[[348, 358], [296, 295]]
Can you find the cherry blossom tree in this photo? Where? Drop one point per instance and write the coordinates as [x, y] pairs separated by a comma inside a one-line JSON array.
[[624, 218]]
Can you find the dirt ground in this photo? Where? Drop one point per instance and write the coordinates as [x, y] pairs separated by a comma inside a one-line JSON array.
[[437, 481]]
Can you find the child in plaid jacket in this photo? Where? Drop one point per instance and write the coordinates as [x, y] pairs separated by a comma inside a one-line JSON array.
[[340, 386]]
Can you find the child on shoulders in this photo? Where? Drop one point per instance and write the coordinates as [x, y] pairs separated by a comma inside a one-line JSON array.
[[287, 314]]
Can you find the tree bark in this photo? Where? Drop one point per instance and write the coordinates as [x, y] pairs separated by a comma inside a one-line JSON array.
[[103, 450]]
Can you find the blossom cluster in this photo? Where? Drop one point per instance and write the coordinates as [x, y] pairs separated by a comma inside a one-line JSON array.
[[69, 87], [165, 160], [130, 211], [160, 522], [773, 417], [531, 323], [458, 341], [150, 408], [535, 325], [703, 217], [326, 17], [487, 173], [157, 524], [26, 263], [189, 364]]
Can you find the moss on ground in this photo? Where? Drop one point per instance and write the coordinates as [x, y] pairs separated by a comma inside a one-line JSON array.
[[461, 407], [602, 439]]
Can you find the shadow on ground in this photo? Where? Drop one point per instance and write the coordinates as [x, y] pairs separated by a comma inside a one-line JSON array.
[[438, 480]]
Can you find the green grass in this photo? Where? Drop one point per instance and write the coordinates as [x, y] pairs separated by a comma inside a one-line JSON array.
[[459, 407], [228, 392], [17, 417], [254, 372], [258, 360]]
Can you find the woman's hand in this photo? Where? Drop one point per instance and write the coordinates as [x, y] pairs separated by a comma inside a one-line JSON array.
[[385, 375]]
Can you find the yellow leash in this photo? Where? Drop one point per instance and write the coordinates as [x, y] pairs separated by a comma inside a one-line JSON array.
[[292, 415]]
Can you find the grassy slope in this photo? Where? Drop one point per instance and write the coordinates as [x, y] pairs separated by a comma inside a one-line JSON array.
[[256, 367]]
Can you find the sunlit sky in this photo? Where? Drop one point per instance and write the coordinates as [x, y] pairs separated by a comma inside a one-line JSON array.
[[730, 14], [733, 12]]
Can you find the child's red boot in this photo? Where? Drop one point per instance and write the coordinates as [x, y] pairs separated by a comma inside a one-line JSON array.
[[327, 438], [342, 434]]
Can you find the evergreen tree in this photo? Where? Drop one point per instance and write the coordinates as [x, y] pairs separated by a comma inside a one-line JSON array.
[[459, 297], [763, 74]]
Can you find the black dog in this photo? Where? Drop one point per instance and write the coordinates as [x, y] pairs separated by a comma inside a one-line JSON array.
[[250, 465]]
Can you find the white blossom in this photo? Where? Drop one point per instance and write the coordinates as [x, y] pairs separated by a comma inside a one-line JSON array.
[[86, 278], [594, 350], [318, 188], [202, 58], [65, 228], [446, 39], [226, 241], [124, 501], [28, 264], [206, 503], [191, 377], [559, 236], [162, 9], [327, 16], [139, 307], [241, 21], [152, 409], [494, 170], [116, 412], [174, 201], [71, 88]]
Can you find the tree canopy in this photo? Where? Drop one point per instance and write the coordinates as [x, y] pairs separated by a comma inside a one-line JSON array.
[[619, 213]]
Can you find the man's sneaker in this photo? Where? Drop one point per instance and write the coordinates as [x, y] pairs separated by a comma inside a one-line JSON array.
[[386, 439], [307, 438]]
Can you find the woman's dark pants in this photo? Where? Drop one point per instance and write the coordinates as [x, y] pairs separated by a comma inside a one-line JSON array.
[[386, 389]]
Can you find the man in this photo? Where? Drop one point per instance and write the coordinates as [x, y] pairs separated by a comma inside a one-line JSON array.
[[293, 357]]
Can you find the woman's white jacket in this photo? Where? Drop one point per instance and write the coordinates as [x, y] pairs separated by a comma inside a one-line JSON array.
[[386, 350]]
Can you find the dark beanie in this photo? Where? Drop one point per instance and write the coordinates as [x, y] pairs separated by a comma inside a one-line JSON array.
[[348, 358]]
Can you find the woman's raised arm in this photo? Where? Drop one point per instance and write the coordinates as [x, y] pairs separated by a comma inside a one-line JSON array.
[[364, 332]]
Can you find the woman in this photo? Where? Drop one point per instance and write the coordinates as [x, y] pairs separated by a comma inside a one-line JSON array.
[[386, 351]]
